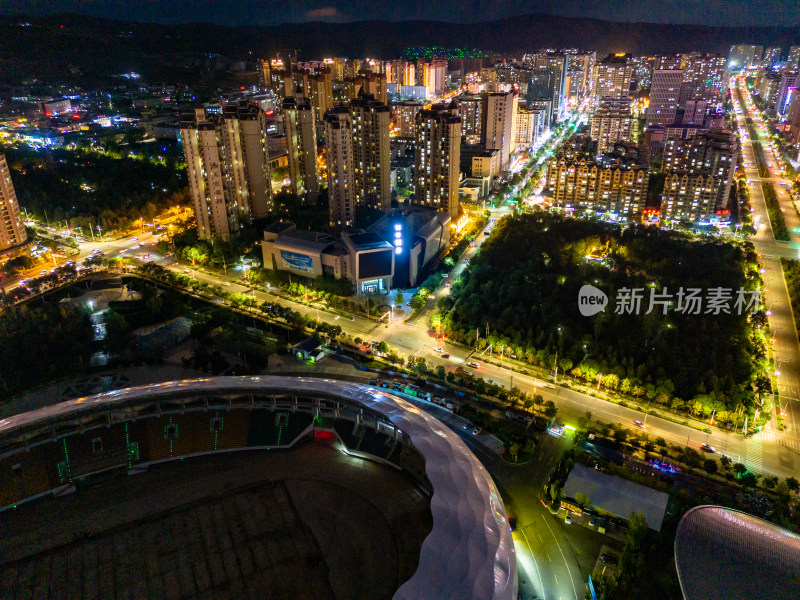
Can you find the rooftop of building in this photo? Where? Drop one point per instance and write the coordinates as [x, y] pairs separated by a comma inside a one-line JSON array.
[[420, 217], [366, 240], [617, 496], [713, 544]]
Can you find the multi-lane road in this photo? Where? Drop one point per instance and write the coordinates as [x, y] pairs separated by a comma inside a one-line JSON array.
[[779, 451]]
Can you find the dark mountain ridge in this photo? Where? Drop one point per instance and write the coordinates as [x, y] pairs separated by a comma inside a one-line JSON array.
[[48, 46]]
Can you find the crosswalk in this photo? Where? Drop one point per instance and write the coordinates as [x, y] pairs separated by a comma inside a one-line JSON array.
[[785, 441], [754, 454]]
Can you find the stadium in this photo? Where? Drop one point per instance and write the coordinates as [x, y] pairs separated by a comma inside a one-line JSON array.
[[235, 487]]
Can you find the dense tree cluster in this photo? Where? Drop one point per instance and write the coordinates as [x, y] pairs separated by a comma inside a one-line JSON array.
[[791, 272], [89, 188], [523, 288], [761, 161], [41, 343], [779, 228]]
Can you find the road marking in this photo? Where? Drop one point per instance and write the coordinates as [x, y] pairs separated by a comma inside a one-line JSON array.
[[538, 574], [556, 578], [548, 556], [575, 589]]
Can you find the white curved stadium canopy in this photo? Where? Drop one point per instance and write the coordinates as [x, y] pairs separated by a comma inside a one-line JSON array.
[[469, 553]]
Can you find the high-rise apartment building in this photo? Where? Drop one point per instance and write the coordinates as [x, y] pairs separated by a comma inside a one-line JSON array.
[[301, 141], [497, 110], [767, 87], [432, 75], [358, 156], [527, 123], [793, 61], [793, 119], [581, 67], [12, 229], [371, 154], [469, 109], [611, 123], [772, 56], [787, 87], [709, 153], [689, 197], [667, 62], [227, 164], [584, 184], [744, 56], [322, 92], [694, 112], [339, 152], [612, 77], [438, 158], [549, 78], [705, 77], [373, 84], [664, 95], [405, 117], [401, 72]]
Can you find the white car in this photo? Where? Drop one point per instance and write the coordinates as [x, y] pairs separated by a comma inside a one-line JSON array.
[[439, 350]]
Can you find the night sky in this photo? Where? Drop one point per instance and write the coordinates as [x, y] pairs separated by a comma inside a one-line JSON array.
[[274, 12]]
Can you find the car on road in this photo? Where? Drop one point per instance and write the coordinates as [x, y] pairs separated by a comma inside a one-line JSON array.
[[487, 232], [476, 431], [609, 559], [707, 448], [472, 244], [473, 364], [134, 239], [466, 426], [447, 284], [639, 424], [227, 283], [445, 355], [438, 349], [465, 261], [568, 518]]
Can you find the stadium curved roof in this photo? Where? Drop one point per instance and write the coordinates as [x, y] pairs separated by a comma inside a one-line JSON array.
[[723, 553], [469, 552]]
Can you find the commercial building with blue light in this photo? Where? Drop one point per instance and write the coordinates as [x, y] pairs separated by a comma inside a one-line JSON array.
[[392, 253]]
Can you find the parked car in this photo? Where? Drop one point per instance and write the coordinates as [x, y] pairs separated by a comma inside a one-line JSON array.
[[609, 559]]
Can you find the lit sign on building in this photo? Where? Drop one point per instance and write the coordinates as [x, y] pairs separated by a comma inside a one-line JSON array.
[[297, 262], [398, 238]]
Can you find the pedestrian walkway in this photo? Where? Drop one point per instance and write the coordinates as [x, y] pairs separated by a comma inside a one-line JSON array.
[[754, 451]]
